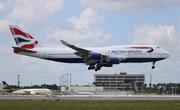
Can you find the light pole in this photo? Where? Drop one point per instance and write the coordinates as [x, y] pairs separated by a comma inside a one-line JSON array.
[[70, 79], [59, 84], [18, 81], [66, 79], [150, 83]]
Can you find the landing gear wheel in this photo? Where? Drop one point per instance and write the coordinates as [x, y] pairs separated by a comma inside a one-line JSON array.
[[98, 67], [91, 67], [153, 67]]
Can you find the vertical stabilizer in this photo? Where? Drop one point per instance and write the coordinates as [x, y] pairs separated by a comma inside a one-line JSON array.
[[6, 86], [22, 38]]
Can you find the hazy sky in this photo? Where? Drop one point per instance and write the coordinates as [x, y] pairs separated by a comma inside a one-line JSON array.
[[89, 23]]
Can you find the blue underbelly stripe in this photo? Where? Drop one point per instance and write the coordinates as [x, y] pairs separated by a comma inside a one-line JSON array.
[[127, 60]]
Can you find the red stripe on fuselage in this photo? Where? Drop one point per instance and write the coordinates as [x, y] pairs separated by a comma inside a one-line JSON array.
[[142, 47], [16, 31]]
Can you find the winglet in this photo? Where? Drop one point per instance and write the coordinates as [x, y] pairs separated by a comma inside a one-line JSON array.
[[67, 44], [64, 42]]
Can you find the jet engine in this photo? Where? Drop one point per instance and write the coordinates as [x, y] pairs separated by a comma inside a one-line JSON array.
[[95, 56]]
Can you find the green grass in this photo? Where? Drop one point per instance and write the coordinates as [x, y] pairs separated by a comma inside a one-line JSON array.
[[87, 105]]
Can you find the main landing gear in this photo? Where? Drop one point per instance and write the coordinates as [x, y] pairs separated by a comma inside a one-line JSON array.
[[153, 67], [96, 67], [91, 67]]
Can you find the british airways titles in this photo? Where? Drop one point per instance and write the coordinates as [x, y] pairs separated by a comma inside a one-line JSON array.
[[117, 52]]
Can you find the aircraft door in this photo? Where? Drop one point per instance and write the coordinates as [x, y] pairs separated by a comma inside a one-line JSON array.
[[107, 53], [150, 55], [45, 54], [129, 55]]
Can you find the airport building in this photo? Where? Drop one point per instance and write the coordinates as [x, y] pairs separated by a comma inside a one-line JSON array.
[[81, 88], [90, 90], [106, 84], [120, 82], [1, 87]]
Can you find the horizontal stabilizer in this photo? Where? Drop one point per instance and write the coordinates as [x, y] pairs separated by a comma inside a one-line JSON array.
[[24, 50]]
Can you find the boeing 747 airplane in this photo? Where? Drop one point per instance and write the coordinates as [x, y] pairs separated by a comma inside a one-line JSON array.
[[7, 88], [95, 57]]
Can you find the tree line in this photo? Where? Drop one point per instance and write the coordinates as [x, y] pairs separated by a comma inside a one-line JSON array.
[[160, 88], [52, 87]]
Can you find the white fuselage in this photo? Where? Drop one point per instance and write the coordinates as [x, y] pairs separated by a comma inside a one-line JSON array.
[[127, 53], [32, 91], [95, 57]]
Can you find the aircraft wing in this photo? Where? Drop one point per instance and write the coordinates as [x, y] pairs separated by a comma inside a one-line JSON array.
[[29, 91], [84, 53], [75, 48], [25, 91]]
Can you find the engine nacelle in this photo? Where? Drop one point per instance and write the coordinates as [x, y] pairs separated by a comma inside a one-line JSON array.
[[95, 56], [113, 60]]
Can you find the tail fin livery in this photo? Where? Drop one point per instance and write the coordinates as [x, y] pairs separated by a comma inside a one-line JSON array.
[[6, 86], [22, 38]]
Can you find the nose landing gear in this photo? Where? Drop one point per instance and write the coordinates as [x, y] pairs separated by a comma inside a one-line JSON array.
[[153, 67]]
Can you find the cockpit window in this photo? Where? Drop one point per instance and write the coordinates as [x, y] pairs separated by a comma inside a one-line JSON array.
[[158, 47]]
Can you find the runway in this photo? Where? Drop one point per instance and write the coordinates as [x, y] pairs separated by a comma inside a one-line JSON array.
[[96, 97], [117, 97]]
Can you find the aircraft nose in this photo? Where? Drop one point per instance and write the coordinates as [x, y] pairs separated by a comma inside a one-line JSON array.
[[167, 55]]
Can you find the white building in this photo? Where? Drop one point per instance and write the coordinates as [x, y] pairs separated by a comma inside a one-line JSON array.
[[121, 82], [81, 88]]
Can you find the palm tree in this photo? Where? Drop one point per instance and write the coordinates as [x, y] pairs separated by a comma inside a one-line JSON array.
[[154, 87], [142, 89], [150, 88], [144, 86]]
